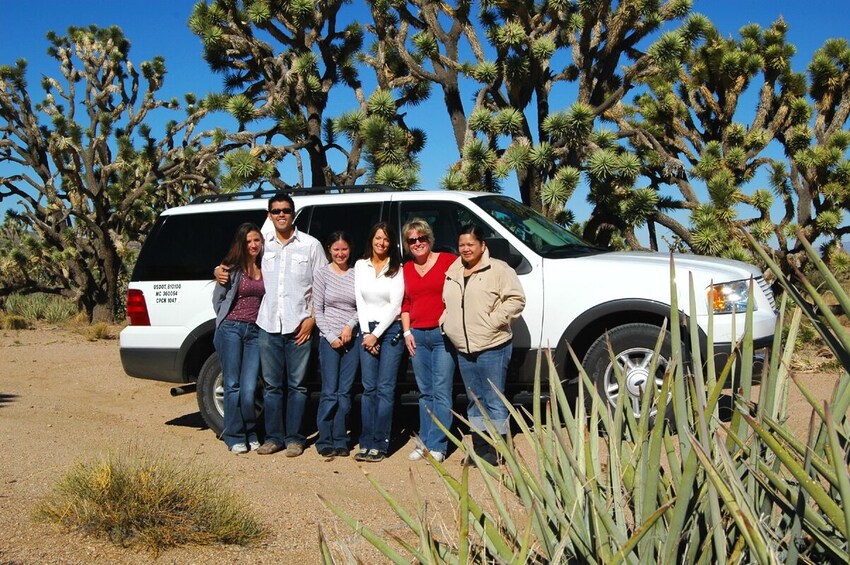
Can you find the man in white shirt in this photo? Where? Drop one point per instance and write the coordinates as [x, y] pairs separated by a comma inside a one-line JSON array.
[[286, 325]]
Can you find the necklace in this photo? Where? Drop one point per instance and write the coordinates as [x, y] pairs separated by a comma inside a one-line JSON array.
[[426, 266]]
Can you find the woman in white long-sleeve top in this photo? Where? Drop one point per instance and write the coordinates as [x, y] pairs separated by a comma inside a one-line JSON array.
[[379, 289]]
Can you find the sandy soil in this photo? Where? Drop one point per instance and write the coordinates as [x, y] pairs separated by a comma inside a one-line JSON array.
[[64, 399]]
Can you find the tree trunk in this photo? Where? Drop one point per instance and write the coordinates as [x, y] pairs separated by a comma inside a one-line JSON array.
[[454, 107], [102, 313]]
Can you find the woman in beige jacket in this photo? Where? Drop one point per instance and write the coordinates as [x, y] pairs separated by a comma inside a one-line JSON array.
[[482, 296]]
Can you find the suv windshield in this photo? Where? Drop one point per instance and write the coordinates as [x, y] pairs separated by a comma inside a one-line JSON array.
[[543, 236]]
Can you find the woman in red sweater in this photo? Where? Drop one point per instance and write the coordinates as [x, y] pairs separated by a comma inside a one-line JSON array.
[[432, 355]]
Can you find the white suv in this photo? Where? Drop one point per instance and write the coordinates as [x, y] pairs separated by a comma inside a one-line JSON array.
[[575, 292]]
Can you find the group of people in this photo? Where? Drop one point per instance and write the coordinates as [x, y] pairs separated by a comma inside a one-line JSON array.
[[447, 311]]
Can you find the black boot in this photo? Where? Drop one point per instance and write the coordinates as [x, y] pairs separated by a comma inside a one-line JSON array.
[[491, 455], [478, 447], [483, 450]]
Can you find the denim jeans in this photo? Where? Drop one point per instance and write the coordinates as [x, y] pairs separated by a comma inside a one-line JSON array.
[[478, 371], [239, 354], [279, 357], [379, 375], [338, 369], [434, 367]]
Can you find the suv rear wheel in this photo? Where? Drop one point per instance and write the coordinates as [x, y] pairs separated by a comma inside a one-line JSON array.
[[210, 393], [634, 350]]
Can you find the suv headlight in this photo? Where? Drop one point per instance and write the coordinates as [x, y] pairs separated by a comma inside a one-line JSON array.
[[730, 297]]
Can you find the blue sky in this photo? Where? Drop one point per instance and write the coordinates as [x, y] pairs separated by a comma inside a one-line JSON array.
[[158, 27]]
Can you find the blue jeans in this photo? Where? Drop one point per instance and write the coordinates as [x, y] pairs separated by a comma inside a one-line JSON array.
[[239, 354], [478, 371], [279, 357], [379, 374], [434, 367], [338, 369]]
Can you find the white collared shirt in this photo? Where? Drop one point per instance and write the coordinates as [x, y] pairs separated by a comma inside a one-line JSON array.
[[288, 276], [378, 297]]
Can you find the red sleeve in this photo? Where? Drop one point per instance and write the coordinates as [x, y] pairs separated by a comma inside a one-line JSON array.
[[407, 269]]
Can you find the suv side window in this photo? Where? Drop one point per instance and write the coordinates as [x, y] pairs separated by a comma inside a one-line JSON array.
[[188, 246], [354, 219], [447, 219]]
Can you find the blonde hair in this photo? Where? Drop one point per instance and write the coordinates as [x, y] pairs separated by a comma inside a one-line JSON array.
[[420, 225]]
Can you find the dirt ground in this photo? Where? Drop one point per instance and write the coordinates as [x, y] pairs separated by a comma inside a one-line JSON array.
[[64, 399]]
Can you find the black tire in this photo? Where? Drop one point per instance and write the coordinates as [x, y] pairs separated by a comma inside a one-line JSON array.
[[210, 392], [634, 347]]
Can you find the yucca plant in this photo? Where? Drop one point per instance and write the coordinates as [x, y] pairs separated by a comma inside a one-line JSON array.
[[598, 485]]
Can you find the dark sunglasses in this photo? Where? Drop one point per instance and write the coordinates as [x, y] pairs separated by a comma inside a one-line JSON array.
[[279, 211], [420, 239]]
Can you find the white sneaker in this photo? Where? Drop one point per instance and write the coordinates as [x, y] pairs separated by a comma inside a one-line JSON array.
[[254, 445], [239, 448], [438, 457], [416, 455]]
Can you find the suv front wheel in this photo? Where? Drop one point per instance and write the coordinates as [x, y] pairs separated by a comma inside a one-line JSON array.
[[634, 351]]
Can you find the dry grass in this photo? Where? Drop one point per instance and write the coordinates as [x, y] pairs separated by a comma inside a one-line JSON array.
[[139, 500], [97, 331], [13, 322]]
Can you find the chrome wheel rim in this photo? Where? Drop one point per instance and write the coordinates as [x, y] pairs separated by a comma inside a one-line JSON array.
[[218, 394], [635, 363]]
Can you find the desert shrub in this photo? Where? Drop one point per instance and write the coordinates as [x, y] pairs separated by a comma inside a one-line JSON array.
[[27, 306], [598, 485], [14, 322], [97, 331], [40, 306], [140, 500], [59, 309], [806, 334], [79, 320]]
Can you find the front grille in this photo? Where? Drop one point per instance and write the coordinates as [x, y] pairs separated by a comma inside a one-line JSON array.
[[765, 287]]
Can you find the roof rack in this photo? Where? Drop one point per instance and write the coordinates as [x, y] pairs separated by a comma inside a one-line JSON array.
[[294, 191]]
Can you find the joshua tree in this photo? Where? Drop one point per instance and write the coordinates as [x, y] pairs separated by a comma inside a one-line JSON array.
[[530, 56], [86, 169], [686, 131], [282, 61]]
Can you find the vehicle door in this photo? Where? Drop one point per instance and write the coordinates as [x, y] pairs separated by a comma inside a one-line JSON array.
[[447, 218]]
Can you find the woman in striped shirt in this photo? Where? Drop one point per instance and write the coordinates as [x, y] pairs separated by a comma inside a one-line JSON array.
[[339, 344]]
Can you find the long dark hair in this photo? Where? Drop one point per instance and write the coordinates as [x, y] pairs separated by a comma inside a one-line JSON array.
[[338, 235], [395, 260], [238, 254]]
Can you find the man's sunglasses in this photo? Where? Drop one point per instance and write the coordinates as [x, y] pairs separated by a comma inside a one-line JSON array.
[[279, 211], [420, 239]]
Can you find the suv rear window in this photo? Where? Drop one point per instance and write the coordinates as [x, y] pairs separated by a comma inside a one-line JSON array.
[[188, 246]]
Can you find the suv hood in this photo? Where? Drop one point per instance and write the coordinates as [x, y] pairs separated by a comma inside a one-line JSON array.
[[722, 270]]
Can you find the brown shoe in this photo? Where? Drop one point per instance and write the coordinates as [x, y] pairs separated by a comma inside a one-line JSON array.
[[268, 448], [294, 449]]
